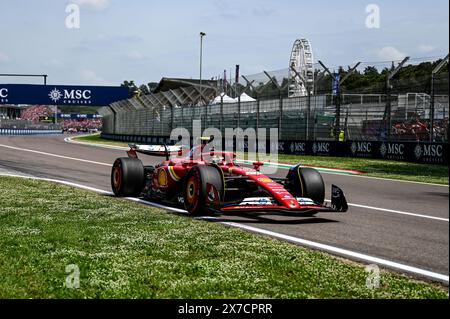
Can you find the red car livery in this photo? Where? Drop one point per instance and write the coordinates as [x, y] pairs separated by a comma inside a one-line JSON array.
[[204, 182]]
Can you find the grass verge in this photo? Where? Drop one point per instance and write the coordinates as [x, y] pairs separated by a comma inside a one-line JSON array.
[[125, 250], [96, 139], [425, 173]]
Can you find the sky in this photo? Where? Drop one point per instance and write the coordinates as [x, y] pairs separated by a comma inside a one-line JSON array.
[[145, 40]]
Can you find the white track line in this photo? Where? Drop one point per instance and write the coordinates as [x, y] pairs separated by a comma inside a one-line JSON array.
[[54, 155], [88, 188], [396, 212], [300, 241], [111, 147], [70, 140], [109, 165], [340, 251], [400, 212]]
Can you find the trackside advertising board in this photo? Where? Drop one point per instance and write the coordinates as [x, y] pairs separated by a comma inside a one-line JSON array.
[[415, 152], [61, 94], [78, 116]]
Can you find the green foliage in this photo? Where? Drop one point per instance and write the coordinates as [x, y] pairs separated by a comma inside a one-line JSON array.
[[410, 79], [132, 88]]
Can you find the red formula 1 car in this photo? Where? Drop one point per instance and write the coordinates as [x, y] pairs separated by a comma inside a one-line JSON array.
[[205, 182]]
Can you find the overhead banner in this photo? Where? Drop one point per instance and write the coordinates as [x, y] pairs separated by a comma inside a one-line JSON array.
[[61, 94]]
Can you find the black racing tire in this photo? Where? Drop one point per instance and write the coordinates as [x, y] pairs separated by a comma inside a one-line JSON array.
[[202, 190], [127, 177], [306, 182]]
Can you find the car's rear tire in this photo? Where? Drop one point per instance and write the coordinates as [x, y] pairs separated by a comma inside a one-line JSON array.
[[202, 190], [306, 182], [127, 177]]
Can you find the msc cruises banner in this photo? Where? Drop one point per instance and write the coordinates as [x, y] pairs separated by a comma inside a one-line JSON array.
[[61, 94]]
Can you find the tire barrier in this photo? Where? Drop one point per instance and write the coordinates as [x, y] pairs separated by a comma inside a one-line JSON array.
[[414, 152], [12, 131]]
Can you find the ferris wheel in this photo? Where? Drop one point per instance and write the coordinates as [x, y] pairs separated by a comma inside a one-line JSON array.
[[302, 61]]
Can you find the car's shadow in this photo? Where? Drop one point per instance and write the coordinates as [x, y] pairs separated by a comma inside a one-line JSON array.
[[437, 194], [251, 218], [257, 219]]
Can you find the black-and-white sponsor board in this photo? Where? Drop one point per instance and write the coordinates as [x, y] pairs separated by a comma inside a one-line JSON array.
[[418, 152]]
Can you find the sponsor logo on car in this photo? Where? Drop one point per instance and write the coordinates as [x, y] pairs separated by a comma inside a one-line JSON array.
[[305, 201], [265, 180]]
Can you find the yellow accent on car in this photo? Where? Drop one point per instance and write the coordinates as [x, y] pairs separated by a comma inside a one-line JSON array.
[[162, 178], [300, 178], [173, 174]]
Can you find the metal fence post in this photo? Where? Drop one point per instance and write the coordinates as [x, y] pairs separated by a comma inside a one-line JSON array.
[[153, 122], [239, 112], [308, 115], [172, 110], [113, 120], [388, 110], [432, 102], [337, 129], [257, 112], [280, 122], [221, 116], [388, 96], [182, 116]]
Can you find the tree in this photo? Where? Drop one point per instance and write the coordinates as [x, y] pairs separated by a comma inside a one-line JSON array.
[[144, 89], [132, 88], [152, 86], [371, 71]]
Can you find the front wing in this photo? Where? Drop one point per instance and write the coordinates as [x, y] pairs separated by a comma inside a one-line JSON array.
[[308, 207]]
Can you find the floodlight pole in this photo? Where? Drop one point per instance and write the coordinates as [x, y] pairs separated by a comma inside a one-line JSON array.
[[202, 34], [432, 109]]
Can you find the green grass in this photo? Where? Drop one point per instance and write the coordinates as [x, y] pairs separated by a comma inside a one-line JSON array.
[[125, 250], [96, 139], [426, 173]]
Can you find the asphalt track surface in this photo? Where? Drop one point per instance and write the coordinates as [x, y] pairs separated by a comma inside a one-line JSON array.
[[414, 230]]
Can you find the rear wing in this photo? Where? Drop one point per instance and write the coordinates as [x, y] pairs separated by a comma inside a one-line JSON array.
[[155, 150]]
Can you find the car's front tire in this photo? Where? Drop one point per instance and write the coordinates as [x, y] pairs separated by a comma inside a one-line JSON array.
[[127, 177], [306, 182], [202, 190]]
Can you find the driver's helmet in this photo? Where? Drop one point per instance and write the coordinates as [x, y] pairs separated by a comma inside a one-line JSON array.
[[204, 140]]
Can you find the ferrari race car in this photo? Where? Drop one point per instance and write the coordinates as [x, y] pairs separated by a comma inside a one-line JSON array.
[[204, 182]]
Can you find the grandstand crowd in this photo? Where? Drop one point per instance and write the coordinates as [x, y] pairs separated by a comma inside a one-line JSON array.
[[40, 113], [85, 125], [36, 113]]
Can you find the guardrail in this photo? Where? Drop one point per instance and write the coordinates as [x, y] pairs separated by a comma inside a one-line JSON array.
[[11, 131]]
